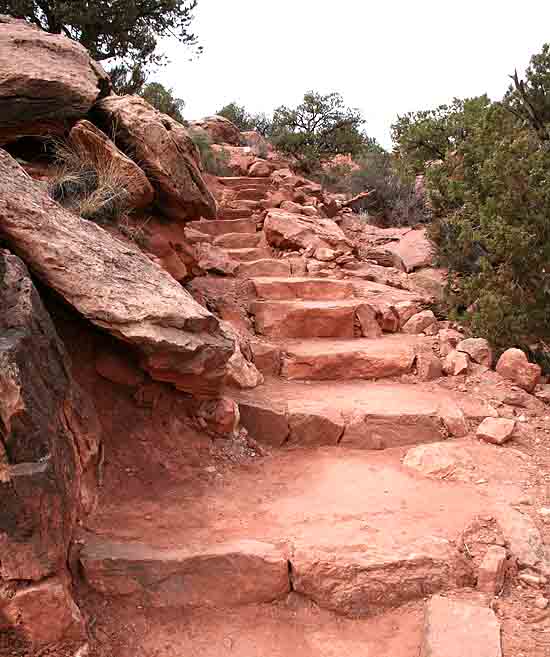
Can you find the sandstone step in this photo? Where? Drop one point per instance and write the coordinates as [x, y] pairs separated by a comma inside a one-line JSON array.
[[228, 574], [249, 255], [251, 194], [346, 529], [357, 414], [216, 228], [453, 628], [245, 182], [309, 289], [305, 319], [293, 627], [239, 240], [231, 214], [329, 359], [263, 267]]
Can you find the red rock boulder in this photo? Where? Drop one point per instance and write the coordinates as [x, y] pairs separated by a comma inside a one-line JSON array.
[[219, 129], [164, 149], [47, 81], [513, 365]]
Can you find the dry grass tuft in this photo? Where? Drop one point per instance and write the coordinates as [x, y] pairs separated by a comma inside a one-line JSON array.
[[91, 184]]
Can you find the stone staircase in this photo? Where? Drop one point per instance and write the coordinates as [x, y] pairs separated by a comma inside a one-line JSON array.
[[329, 514]]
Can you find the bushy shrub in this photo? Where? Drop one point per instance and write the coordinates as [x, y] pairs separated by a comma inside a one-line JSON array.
[[319, 128], [246, 121], [213, 161], [394, 201], [491, 203], [163, 100]]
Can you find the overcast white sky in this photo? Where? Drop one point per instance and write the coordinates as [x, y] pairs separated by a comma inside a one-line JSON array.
[[385, 57]]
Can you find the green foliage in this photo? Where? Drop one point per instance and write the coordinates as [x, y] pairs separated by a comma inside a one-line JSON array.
[[394, 201], [213, 161], [128, 79], [529, 99], [123, 29], [319, 128], [245, 121], [163, 99], [427, 135], [491, 202], [489, 193]]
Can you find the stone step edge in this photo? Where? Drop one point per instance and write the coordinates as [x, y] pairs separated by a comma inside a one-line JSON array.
[[251, 571], [279, 425]]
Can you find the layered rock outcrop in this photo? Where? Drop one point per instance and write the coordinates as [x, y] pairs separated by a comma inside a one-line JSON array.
[[47, 82], [165, 151], [49, 450], [114, 285]]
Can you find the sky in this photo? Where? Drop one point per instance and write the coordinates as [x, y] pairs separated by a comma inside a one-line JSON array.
[[386, 57]]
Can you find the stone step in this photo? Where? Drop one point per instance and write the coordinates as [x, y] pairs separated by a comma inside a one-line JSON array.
[[239, 240], [308, 289], [347, 530], [220, 575], [263, 267], [251, 194], [453, 628], [216, 227], [231, 214], [305, 319], [357, 414], [249, 255], [294, 627], [245, 182], [337, 360]]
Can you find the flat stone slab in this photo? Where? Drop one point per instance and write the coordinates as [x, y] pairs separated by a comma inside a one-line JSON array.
[[328, 359], [457, 629], [245, 182], [305, 319], [263, 267], [228, 574], [220, 227], [249, 254], [290, 628], [350, 528], [308, 289], [355, 414], [238, 240]]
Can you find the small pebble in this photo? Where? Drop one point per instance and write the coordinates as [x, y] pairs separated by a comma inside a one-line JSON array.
[[210, 469], [544, 511], [541, 602]]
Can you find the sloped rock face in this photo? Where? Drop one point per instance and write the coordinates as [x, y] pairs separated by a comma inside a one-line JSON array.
[[285, 230], [49, 450], [219, 129], [114, 285], [47, 81], [165, 151]]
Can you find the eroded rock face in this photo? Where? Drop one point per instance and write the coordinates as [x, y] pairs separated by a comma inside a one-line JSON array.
[[47, 81], [114, 285], [50, 450], [220, 130], [285, 230], [165, 151], [89, 139]]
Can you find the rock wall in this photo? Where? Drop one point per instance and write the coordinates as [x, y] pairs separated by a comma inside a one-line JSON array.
[[49, 447]]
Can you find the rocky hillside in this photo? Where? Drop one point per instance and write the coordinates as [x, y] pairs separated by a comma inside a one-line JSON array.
[[231, 422]]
